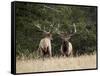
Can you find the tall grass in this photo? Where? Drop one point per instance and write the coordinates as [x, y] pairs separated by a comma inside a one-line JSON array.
[[56, 64]]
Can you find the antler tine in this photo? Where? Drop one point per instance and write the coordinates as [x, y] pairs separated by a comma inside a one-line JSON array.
[[51, 26], [44, 30], [74, 28], [38, 26]]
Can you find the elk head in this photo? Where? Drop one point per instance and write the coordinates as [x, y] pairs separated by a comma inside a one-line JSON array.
[[65, 35], [47, 34]]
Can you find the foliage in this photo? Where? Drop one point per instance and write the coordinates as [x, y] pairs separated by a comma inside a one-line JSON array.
[[28, 36]]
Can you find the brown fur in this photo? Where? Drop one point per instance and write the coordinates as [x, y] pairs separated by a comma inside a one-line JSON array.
[[65, 51]]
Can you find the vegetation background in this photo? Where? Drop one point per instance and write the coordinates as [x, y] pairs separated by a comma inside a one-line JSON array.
[[28, 36]]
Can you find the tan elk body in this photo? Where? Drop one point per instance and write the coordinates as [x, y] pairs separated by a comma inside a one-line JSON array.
[[45, 46], [45, 43]]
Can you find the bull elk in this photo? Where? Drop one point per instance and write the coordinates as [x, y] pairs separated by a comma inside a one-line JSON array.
[[66, 46], [45, 43]]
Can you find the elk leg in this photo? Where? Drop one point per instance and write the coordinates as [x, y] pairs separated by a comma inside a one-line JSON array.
[[62, 54], [71, 54], [43, 52], [49, 51], [40, 52], [61, 50]]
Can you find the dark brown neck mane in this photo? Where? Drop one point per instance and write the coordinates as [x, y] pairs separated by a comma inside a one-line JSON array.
[[65, 46]]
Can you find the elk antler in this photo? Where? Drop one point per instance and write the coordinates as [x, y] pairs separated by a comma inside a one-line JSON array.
[[44, 29], [64, 35], [41, 29]]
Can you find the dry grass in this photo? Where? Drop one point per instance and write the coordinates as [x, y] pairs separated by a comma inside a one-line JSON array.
[[55, 64]]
